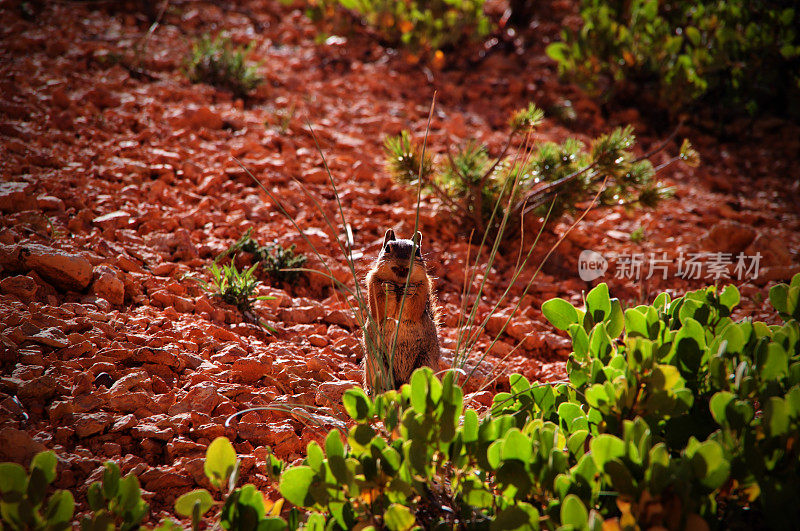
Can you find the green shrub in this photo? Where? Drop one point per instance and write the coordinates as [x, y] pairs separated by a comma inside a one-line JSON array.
[[219, 63], [674, 416], [233, 286], [545, 177], [116, 502], [725, 53], [279, 263], [422, 27], [22, 496]]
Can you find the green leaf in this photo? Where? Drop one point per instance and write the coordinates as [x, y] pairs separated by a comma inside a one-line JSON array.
[[516, 446], [776, 417], [60, 507], [605, 447], [718, 404], [294, 485], [616, 320], [129, 496], [333, 444], [574, 513], [558, 51], [184, 505], [598, 303], [774, 363], [12, 478], [709, 465], [778, 295], [111, 477], [419, 391], [357, 404], [521, 516], [730, 297], [398, 518], [560, 313], [580, 341], [635, 323], [46, 462], [470, 428], [95, 496], [314, 455], [220, 460]]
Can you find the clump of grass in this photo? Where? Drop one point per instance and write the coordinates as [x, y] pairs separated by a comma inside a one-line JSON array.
[[280, 263], [235, 287], [540, 177], [220, 63]]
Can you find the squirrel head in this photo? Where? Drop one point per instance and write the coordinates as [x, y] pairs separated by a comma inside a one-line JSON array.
[[395, 257]]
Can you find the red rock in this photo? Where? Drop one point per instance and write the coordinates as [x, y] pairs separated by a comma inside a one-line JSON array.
[[124, 423], [203, 397], [62, 268], [18, 446], [133, 402], [21, 286], [49, 203], [729, 236], [249, 370], [16, 197], [330, 393], [38, 388], [108, 285], [128, 382], [203, 117], [86, 424], [161, 478], [113, 220], [112, 449], [152, 432]]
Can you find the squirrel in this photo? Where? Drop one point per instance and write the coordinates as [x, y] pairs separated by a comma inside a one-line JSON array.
[[418, 337]]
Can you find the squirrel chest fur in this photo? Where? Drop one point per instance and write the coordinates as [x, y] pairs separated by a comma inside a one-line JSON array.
[[401, 333]]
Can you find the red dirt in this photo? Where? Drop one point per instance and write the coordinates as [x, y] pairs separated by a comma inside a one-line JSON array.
[[127, 183]]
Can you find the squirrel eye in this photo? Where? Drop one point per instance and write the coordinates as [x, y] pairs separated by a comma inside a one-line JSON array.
[[417, 253]]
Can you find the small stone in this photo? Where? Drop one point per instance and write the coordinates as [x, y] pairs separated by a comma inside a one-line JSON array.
[[203, 117], [114, 220], [52, 337], [17, 445], [21, 286], [123, 423], [59, 267], [148, 431], [16, 197], [87, 424], [38, 388], [108, 285], [330, 393], [50, 203], [112, 449]]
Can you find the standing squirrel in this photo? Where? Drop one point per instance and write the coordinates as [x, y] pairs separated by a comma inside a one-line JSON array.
[[418, 339]]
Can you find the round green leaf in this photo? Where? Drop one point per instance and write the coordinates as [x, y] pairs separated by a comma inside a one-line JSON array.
[[419, 391], [60, 507], [184, 505], [46, 462], [560, 313], [12, 478], [573, 512], [398, 518], [314, 455], [605, 447], [709, 465], [357, 404], [333, 444], [598, 303], [719, 402], [516, 446], [294, 485], [220, 460]]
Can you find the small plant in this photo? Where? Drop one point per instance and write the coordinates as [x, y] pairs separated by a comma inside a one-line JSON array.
[[638, 236], [242, 507], [219, 63], [282, 118], [424, 28], [23, 502], [279, 263], [233, 286], [545, 177], [719, 53], [116, 502]]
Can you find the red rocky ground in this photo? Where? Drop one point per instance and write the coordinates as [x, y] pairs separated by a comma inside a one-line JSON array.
[[118, 179]]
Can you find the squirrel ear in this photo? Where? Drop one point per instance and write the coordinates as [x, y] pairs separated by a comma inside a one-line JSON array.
[[389, 236], [417, 239]]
